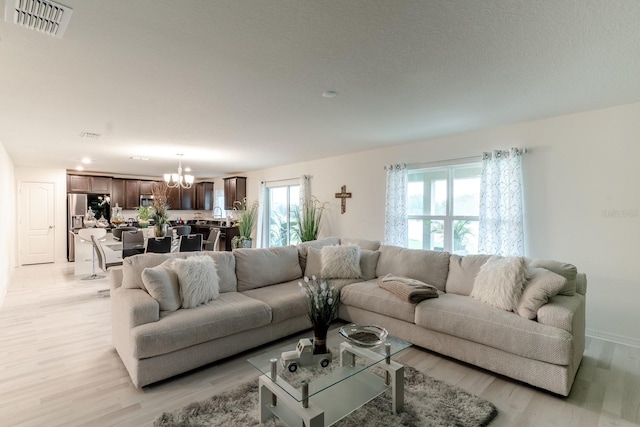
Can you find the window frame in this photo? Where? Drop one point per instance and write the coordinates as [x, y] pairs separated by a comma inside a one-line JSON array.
[[449, 218]]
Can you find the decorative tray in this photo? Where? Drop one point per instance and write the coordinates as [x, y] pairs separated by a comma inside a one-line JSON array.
[[363, 335]]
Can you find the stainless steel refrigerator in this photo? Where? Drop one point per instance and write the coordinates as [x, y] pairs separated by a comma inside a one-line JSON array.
[[76, 210]]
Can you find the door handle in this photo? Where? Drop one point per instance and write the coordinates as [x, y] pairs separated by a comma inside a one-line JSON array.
[[50, 227]]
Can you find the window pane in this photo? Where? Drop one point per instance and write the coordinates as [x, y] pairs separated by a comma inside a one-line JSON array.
[[466, 190], [426, 234], [278, 216], [465, 237], [427, 192], [294, 202]]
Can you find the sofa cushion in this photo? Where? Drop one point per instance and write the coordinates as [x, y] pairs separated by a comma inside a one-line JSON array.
[[230, 313], [371, 245], [542, 285], [430, 267], [462, 273], [198, 280], [256, 268], [132, 268], [285, 299], [472, 320], [568, 271], [368, 263], [161, 282], [318, 244], [340, 262], [500, 282], [369, 296]]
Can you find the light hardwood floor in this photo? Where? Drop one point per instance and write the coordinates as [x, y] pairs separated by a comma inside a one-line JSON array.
[[58, 368]]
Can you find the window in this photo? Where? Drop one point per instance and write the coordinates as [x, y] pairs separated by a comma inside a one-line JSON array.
[[443, 208], [281, 200]]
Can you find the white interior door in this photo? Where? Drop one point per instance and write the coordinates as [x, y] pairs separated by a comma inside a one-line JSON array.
[[37, 239]]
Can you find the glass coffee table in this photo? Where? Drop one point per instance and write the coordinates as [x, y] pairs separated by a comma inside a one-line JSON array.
[[318, 396]]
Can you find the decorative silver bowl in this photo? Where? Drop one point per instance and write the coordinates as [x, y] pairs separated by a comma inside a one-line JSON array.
[[363, 335]]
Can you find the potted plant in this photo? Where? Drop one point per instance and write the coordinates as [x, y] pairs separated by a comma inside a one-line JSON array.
[[307, 218], [160, 209], [246, 217], [144, 214]]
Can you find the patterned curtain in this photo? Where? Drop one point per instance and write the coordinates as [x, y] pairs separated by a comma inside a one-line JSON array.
[[396, 219], [262, 230], [501, 217]]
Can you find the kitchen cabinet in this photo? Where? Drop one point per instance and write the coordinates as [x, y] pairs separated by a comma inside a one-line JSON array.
[[204, 196], [88, 184], [174, 198], [188, 198], [131, 193], [78, 184], [146, 187], [235, 189], [100, 184], [117, 192]]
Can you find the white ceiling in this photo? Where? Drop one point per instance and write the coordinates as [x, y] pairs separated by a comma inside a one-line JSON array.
[[236, 85]]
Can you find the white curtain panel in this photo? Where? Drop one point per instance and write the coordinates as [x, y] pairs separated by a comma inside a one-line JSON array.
[[305, 187], [501, 217], [262, 230], [396, 218]]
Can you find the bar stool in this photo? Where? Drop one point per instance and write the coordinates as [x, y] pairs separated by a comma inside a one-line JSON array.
[[86, 235]]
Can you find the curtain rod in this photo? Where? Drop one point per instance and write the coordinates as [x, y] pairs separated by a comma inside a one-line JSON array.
[[448, 161], [279, 180]]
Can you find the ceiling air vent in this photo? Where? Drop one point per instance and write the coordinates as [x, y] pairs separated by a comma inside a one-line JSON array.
[[44, 16]]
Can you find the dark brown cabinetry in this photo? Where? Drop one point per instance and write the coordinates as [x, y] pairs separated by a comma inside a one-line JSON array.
[[235, 189], [117, 192], [204, 196], [88, 184], [131, 193], [146, 187], [100, 184], [188, 198]]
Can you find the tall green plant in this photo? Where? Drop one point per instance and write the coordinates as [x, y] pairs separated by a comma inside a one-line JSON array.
[[247, 216], [308, 218]]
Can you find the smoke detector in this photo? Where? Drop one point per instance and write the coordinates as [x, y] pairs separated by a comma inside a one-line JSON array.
[[44, 16]]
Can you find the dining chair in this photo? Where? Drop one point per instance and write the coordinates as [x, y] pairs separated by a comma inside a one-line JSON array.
[[132, 243], [160, 245], [181, 230], [117, 232], [191, 243], [102, 262], [211, 244]]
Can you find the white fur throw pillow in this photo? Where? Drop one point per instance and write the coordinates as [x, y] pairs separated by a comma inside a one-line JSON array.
[[500, 282], [198, 278], [340, 262]]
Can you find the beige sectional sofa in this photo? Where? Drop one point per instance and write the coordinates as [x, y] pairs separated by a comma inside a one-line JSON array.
[[260, 301]]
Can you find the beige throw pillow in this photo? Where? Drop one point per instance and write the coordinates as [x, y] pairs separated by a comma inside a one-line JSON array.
[[198, 280], [500, 282], [162, 284], [542, 285], [568, 271], [340, 262]]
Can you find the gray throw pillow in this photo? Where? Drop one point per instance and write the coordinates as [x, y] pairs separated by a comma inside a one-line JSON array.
[[568, 271]]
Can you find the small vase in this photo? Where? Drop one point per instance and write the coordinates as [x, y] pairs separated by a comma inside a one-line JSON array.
[[320, 339], [161, 230]]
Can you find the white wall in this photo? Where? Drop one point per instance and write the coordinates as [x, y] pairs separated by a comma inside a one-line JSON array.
[[8, 238], [59, 178], [581, 195]]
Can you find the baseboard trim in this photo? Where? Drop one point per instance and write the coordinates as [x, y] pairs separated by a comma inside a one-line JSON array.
[[618, 339]]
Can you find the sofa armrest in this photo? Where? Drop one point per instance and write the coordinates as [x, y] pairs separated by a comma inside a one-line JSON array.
[[564, 312], [115, 277], [133, 307]]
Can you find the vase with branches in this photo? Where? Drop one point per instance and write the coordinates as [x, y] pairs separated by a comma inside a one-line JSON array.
[[307, 219], [246, 218], [160, 208], [323, 302]]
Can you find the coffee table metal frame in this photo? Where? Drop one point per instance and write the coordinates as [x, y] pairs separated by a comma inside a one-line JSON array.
[[336, 400]]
